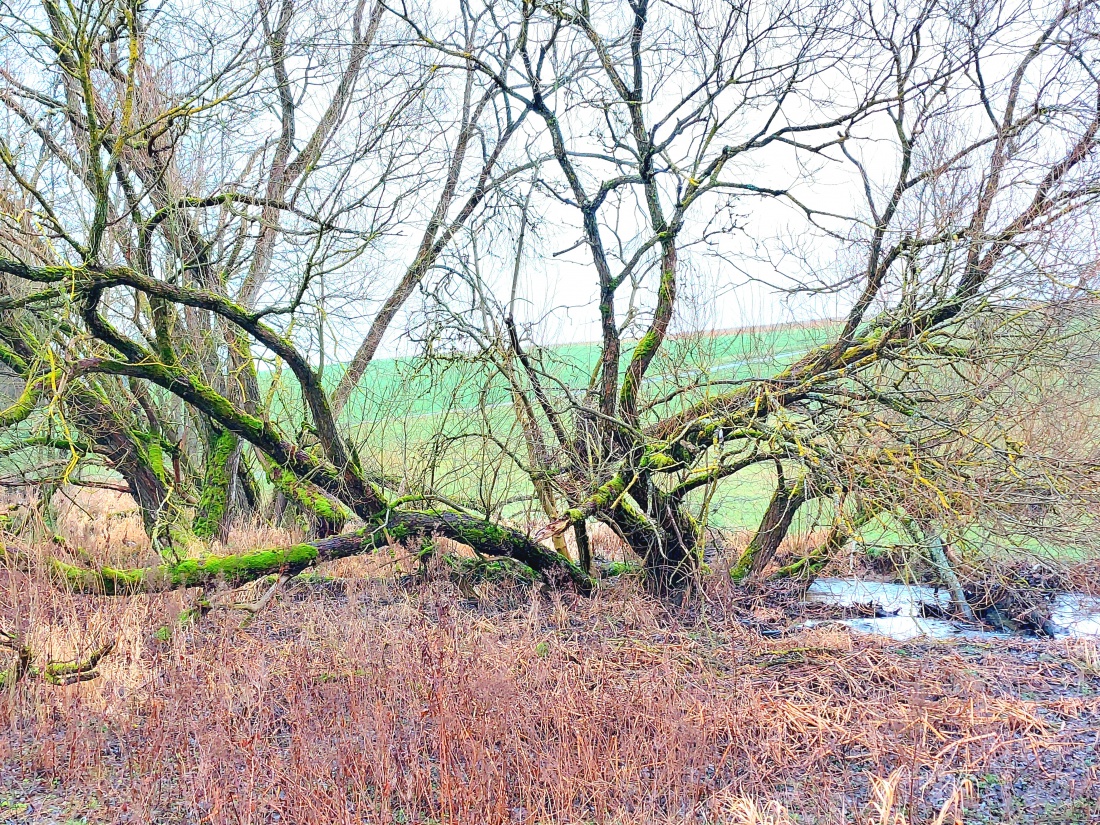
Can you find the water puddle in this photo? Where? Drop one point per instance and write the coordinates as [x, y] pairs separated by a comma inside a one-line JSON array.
[[901, 615], [1076, 614]]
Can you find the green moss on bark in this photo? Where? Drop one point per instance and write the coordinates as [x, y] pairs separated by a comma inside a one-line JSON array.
[[25, 404], [740, 571], [233, 569], [657, 460], [215, 489], [310, 498], [609, 493], [236, 569], [643, 353], [155, 451], [242, 567]]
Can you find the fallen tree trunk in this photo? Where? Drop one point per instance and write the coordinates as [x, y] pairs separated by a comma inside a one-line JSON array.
[[486, 539]]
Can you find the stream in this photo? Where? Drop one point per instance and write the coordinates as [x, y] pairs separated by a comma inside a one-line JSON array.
[[1072, 614]]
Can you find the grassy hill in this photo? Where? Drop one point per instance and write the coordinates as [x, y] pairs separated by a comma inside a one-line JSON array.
[[416, 418]]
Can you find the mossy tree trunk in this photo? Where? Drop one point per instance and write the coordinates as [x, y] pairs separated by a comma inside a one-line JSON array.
[[666, 539], [326, 515], [329, 466], [144, 460], [584, 546], [486, 538], [774, 526], [210, 516]]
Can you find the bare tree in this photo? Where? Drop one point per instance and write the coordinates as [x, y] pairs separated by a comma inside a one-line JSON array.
[[203, 230], [188, 201], [970, 133]]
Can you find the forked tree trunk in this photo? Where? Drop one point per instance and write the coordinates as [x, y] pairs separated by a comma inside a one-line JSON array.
[[142, 462], [668, 543]]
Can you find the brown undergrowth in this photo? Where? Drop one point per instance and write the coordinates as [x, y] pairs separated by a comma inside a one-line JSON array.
[[368, 700]]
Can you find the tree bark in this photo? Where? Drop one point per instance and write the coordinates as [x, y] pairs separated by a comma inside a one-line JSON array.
[[210, 517], [236, 569], [140, 462], [667, 543], [584, 547], [773, 528]]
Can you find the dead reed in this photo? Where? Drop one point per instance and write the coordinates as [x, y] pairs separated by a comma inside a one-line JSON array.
[[375, 702]]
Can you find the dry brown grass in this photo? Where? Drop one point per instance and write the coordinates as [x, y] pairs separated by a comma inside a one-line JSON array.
[[376, 703]]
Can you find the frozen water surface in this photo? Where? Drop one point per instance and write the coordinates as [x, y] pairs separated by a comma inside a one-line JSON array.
[[1073, 614]]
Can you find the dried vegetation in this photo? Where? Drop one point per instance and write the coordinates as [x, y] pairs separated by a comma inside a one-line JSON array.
[[372, 698]]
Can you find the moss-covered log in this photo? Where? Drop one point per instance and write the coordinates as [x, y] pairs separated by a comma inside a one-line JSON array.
[[235, 569], [489, 539], [56, 673]]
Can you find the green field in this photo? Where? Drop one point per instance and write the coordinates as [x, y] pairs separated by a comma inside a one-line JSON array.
[[419, 420]]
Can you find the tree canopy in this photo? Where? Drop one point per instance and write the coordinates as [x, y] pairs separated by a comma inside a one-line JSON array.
[[214, 219]]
